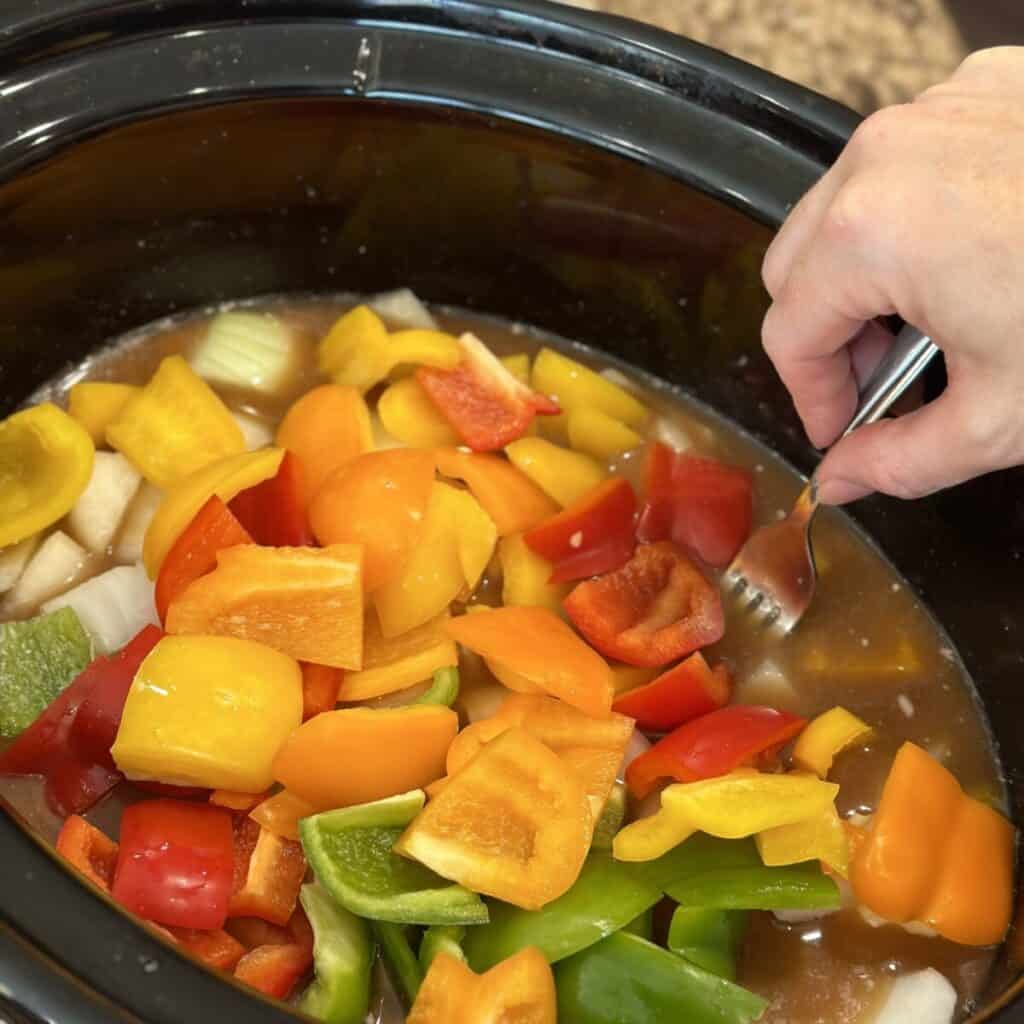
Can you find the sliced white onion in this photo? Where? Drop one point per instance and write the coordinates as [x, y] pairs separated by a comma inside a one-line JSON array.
[[767, 684], [96, 516], [638, 744], [252, 351], [128, 546], [256, 431], [403, 307], [58, 564], [13, 560], [924, 997]]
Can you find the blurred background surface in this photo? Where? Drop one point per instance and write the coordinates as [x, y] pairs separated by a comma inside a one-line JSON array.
[[866, 53]]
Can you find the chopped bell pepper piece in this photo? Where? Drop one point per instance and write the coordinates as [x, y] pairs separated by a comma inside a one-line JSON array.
[[321, 685], [39, 658], [507, 495], [224, 478], [175, 863], [441, 938], [409, 416], [820, 837], [274, 512], [714, 744], [798, 887], [444, 689], [88, 851], [576, 386], [487, 406], [606, 897], [97, 403], [565, 476], [268, 873], [274, 970], [209, 711], [304, 602], [729, 806], [595, 433], [525, 576], [216, 949], [454, 549], [391, 664], [47, 460], [592, 536], [378, 500], [518, 365], [325, 428], [281, 814], [630, 677], [400, 961], [612, 818], [684, 692], [235, 801], [709, 939], [309, 765], [521, 988], [342, 958], [174, 426], [828, 735], [194, 553], [350, 851], [656, 608], [936, 855], [514, 824], [535, 643]]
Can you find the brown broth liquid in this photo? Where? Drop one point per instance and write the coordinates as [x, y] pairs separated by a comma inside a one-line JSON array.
[[866, 643]]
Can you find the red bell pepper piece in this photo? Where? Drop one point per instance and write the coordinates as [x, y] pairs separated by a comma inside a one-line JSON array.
[[73, 756], [267, 874], [656, 608], [701, 504], [194, 553], [274, 970], [175, 865], [320, 687], [684, 692], [88, 851], [216, 948], [712, 745], [274, 511], [590, 537], [485, 404]]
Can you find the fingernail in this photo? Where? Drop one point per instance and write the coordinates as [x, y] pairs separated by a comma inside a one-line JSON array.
[[835, 491]]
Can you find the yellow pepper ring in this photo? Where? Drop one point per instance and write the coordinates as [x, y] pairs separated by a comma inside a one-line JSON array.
[[45, 463]]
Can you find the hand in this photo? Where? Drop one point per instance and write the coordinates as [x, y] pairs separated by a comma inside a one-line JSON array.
[[922, 215]]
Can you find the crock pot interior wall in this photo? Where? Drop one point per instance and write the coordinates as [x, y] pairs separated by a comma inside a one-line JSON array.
[[167, 213]]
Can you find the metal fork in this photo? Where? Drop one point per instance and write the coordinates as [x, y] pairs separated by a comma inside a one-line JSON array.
[[774, 573]]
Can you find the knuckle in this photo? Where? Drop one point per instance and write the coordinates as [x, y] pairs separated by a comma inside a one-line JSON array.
[[875, 133], [853, 211], [773, 271], [894, 475]]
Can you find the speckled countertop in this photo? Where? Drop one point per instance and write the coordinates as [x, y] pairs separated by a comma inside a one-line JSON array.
[[866, 53]]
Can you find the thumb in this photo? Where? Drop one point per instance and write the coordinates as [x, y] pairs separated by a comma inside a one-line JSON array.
[[907, 457]]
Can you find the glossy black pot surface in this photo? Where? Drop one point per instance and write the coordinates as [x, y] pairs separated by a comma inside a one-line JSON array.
[[588, 175]]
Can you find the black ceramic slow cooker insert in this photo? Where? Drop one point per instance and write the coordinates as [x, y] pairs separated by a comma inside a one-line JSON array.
[[574, 171]]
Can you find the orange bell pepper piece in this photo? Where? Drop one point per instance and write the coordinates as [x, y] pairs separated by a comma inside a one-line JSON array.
[[235, 801], [88, 851], [936, 855], [306, 602], [357, 755], [535, 643], [326, 428], [216, 949], [269, 871], [507, 495], [320, 687], [592, 747], [394, 663], [378, 500], [521, 988], [274, 970], [514, 823], [281, 814]]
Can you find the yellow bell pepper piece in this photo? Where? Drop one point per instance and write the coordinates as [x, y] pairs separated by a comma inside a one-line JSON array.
[[393, 664], [576, 386], [175, 425], [828, 735], [97, 403], [525, 576], [456, 545], [563, 475], [409, 416], [594, 432], [226, 478], [821, 837], [209, 711], [519, 366], [46, 461], [359, 353], [629, 677], [732, 806]]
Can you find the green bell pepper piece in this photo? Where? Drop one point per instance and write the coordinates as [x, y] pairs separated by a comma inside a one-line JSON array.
[[342, 957], [695, 856], [642, 925], [399, 959], [627, 980], [611, 819], [350, 852], [441, 938], [607, 896], [444, 689], [38, 659], [708, 938], [799, 887]]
